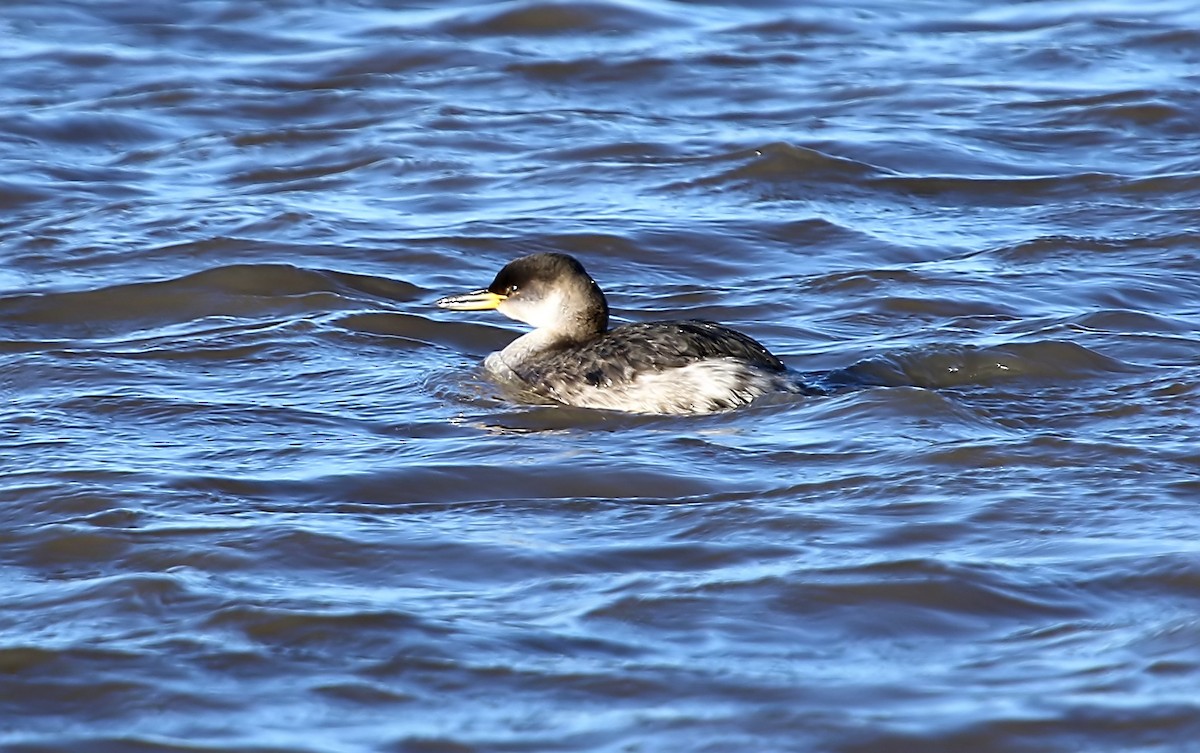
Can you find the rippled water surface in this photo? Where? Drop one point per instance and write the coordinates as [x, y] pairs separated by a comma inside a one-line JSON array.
[[256, 496]]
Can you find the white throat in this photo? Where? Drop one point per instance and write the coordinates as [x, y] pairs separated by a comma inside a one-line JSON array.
[[547, 313]]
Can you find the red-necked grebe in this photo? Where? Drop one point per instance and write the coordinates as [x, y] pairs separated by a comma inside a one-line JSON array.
[[572, 357]]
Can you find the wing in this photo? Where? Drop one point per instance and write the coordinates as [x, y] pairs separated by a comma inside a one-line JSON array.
[[621, 354]]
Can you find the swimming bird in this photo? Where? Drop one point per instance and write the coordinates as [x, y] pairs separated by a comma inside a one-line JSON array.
[[572, 357]]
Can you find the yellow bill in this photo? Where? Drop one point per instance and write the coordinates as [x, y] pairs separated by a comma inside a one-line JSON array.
[[480, 300]]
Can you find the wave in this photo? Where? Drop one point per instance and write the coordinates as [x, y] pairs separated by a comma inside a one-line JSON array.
[[945, 366], [539, 18], [231, 292]]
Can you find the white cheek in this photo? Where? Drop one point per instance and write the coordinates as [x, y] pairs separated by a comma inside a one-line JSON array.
[[545, 312]]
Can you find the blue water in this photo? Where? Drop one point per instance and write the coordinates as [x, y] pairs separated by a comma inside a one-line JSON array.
[[256, 495]]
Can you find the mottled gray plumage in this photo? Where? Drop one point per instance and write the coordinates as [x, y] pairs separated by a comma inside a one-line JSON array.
[[620, 354], [572, 357]]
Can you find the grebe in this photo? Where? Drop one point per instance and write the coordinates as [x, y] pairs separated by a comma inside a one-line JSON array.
[[572, 357]]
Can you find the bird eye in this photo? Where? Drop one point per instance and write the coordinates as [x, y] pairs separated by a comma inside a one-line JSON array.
[[512, 290]]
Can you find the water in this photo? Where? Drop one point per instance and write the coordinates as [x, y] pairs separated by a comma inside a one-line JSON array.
[[255, 495]]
